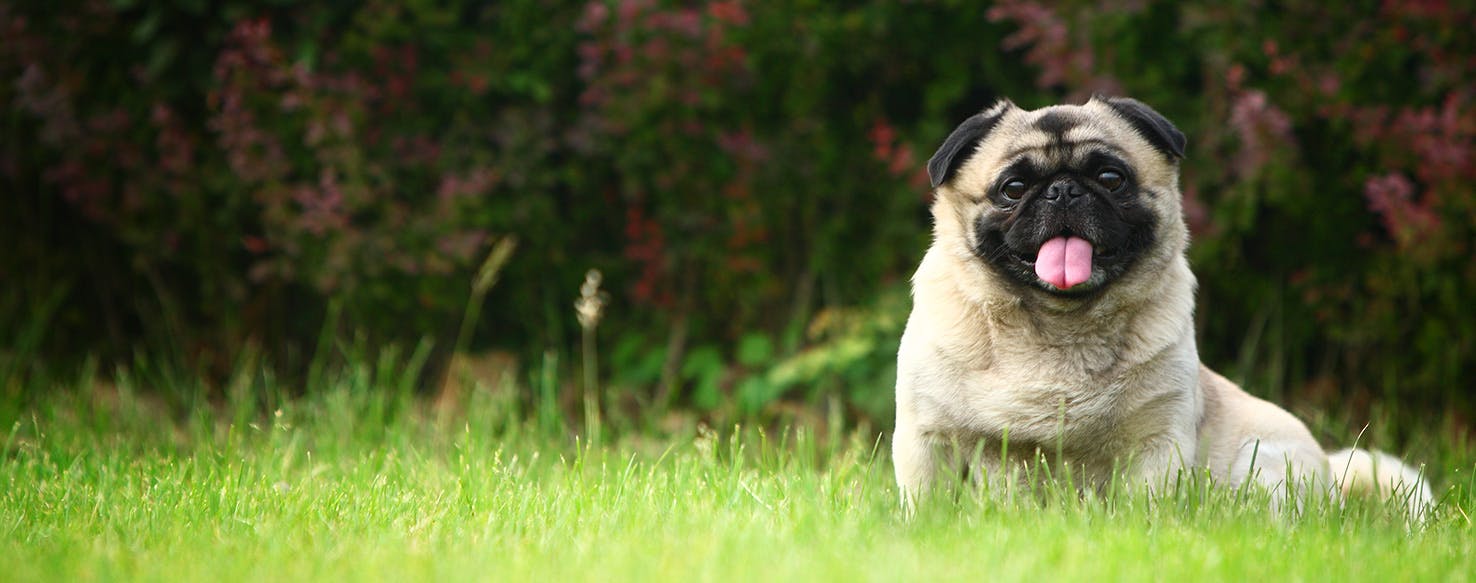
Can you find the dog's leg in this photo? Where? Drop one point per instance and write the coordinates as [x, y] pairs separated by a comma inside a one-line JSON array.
[[1160, 463], [1290, 470], [915, 462]]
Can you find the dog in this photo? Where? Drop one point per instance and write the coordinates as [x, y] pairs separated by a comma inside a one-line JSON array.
[[1053, 320]]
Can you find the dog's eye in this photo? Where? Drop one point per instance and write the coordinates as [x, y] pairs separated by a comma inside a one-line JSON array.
[[1013, 189], [1111, 179]]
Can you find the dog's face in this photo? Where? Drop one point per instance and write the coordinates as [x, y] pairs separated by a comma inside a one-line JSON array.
[[1065, 200]]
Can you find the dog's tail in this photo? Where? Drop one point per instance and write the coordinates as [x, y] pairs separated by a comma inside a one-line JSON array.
[[1359, 472]]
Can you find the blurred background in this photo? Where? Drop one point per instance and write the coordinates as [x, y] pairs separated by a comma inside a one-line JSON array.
[[190, 189]]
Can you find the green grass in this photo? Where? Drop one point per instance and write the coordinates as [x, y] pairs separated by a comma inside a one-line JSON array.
[[105, 485]]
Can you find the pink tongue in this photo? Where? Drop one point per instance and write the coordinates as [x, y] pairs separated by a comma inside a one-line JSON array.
[[1064, 262]]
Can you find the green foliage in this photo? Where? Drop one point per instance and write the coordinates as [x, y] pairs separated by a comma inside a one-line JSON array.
[[851, 354], [703, 369], [207, 179], [754, 350]]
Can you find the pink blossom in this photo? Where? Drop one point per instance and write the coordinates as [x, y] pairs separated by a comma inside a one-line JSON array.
[[741, 144], [729, 11], [1061, 59], [1262, 129], [1391, 196], [595, 13]]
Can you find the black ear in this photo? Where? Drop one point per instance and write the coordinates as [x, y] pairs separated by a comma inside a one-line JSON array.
[[1150, 124], [962, 141]]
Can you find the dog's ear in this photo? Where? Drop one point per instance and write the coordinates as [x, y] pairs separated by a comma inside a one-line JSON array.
[[960, 144], [1150, 124]]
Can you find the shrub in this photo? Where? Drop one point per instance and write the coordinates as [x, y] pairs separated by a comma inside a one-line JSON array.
[[214, 176]]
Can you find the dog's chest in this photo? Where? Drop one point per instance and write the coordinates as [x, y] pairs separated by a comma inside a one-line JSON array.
[[1073, 392]]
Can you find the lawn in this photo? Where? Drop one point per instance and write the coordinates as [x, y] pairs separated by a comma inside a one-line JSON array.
[[109, 485]]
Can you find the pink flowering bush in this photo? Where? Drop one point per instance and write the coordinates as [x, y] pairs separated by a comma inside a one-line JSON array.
[[226, 195], [207, 178]]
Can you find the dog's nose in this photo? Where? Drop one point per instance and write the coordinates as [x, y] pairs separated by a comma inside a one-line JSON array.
[[1063, 191]]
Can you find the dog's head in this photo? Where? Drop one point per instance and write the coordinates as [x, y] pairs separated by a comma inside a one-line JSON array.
[[1064, 200]]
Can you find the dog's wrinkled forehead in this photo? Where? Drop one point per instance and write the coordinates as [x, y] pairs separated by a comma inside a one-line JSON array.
[[1059, 137]]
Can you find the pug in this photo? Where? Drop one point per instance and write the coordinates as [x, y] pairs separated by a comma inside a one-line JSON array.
[[1053, 321]]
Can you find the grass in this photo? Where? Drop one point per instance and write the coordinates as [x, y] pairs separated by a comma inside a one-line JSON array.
[[103, 484]]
